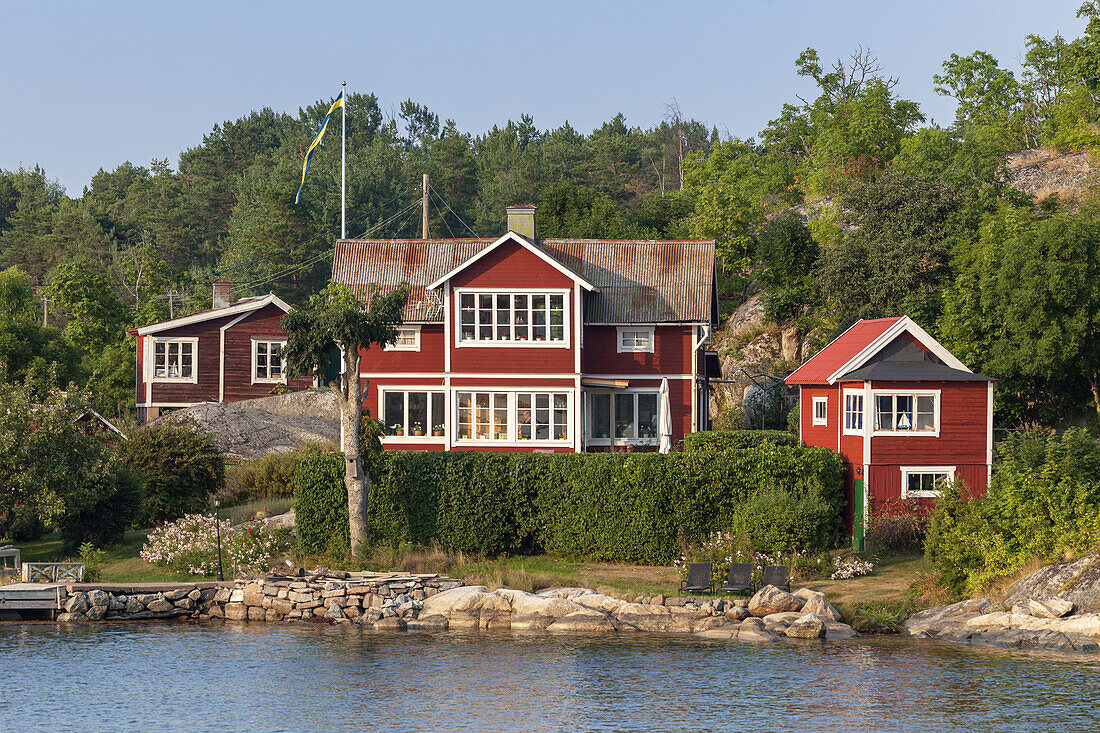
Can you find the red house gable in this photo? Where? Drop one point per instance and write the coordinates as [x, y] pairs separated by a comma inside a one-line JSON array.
[[903, 412], [520, 343]]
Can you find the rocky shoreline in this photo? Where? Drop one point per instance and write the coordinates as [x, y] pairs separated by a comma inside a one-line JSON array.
[[391, 602], [1046, 623]]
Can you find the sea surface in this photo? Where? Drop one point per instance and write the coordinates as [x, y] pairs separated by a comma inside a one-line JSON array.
[[212, 677]]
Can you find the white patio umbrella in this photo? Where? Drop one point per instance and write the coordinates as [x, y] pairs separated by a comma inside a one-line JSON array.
[[664, 429]]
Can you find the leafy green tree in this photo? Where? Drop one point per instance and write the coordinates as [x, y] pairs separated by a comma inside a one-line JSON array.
[[180, 467], [785, 264], [337, 319], [24, 239], [95, 316], [987, 95]]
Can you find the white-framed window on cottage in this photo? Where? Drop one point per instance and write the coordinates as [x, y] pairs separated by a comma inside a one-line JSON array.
[[529, 318], [638, 339], [821, 411], [267, 361], [413, 413], [916, 413], [853, 413], [408, 339], [175, 359], [925, 482], [512, 416], [623, 416]]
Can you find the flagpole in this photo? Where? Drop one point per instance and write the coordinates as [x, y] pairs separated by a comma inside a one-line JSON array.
[[343, 161]]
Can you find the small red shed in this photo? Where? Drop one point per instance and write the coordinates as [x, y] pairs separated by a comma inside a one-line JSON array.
[[905, 414]]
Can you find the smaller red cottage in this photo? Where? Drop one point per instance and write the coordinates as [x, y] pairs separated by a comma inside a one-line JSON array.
[[231, 352], [905, 414]]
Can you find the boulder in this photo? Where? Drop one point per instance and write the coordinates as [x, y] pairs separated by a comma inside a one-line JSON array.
[[96, 613], [133, 605], [809, 626], [98, 597], [433, 622], [817, 604], [176, 594], [186, 604], [838, 630], [531, 611], [584, 621], [77, 603], [1077, 582], [470, 606], [116, 604], [941, 616], [777, 623], [256, 613], [714, 622], [71, 617], [236, 611], [568, 593], [599, 602], [222, 595], [159, 605], [737, 613], [770, 599], [394, 623], [729, 631], [1051, 607], [645, 617], [752, 629], [335, 611]]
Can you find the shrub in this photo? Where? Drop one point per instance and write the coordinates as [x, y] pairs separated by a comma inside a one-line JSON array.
[[897, 526], [634, 507], [107, 504], [93, 560], [1043, 501], [717, 440], [189, 545], [321, 503], [268, 477], [180, 467]]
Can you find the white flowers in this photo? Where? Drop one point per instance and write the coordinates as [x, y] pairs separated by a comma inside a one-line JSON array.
[[850, 567], [189, 545]]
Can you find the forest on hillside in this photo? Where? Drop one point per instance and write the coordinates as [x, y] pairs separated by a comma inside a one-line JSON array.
[[848, 204]]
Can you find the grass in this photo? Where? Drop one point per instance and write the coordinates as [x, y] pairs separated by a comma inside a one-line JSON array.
[[248, 510]]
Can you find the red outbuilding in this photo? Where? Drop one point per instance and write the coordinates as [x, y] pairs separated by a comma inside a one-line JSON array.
[[520, 343], [905, 414], [230, 352]]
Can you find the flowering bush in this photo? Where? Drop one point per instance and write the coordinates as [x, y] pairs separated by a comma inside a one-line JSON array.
[[722, 549], [189, 545], [850, 567]]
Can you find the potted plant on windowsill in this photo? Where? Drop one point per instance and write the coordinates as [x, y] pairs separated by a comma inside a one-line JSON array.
[[398, 430], [418, 429], [437, 431]]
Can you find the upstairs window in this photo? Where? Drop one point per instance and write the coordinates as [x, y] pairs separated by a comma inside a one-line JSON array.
[[635, 339], [174, 359], [512, 317], [853, 412], [821, 411], [907, 413], [408, 339], [267, 361]]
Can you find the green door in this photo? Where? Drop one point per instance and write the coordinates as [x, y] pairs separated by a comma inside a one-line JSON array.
[[857, 515]]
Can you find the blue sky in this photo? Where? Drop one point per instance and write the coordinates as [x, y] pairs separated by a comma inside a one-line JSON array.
[[90, 85]]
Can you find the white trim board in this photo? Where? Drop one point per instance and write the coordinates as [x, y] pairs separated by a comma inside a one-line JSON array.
[[903, 325], [247, 306]]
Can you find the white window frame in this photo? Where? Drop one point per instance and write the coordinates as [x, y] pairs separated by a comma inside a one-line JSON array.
[[414, 331], [824, 419], [907, 471], [408, 437], [512, 415], [635, 348], [256, 341], [565, 294], [872, 412], [615, 440], [193, 340], [854, 394]]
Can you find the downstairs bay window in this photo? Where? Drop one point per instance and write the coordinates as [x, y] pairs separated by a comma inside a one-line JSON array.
[[413, 412], [623, 416], [512, 416]]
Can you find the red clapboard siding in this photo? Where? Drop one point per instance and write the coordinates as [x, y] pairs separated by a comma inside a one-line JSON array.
[[209, 346], [885, 482], [377, 360], [822, 436], [671, 352], [264, 323], [511, 266], [963, 428]]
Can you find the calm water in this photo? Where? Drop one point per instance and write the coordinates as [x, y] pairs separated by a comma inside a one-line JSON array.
[[318, 678]]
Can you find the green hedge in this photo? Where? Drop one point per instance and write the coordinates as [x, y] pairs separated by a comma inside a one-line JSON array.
[[716, 440], [321, 502], [611, 506]]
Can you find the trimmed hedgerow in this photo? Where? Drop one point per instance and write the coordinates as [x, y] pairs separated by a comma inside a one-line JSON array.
[[716, 440], [613, 506], [321, 502]]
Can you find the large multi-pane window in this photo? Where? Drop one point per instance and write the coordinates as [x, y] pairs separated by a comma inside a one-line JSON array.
[[623, 415], [413, 412], [267, 361], [908, 413], [512, 416], [174, 359], [515, 317]]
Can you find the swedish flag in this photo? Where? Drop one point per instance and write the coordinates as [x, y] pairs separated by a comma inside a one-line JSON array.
[[317, 141]]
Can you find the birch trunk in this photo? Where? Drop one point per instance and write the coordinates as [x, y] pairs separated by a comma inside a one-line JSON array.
[[356, 480]]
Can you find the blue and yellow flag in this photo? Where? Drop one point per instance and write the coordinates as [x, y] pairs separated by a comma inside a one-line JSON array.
[[317, 141]]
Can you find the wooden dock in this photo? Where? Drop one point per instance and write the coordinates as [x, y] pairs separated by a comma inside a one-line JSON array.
[[32, 596]]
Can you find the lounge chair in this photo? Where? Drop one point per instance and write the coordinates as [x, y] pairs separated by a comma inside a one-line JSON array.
[[776, 575], [698, 579], [740, 579]]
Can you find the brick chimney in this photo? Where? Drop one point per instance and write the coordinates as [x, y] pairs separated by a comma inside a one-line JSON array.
[[521, 220], [223, 293]]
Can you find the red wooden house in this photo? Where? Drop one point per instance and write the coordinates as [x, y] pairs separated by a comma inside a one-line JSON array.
[[904, 413], [519, 343], [230, 352]]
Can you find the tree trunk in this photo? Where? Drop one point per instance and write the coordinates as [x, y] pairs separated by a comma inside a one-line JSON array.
[[1094, 385], [355, 478]]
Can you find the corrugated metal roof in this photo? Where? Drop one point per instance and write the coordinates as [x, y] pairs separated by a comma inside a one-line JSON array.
[[637, 281]]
